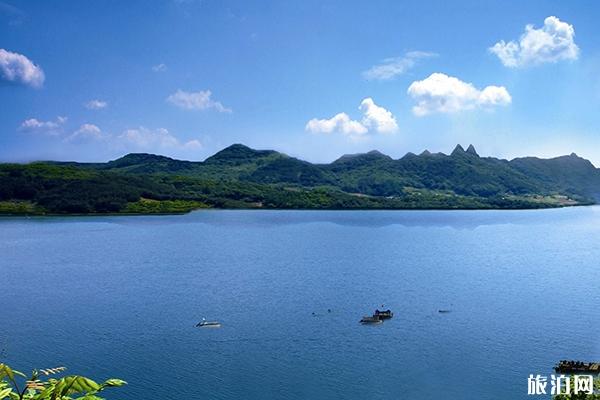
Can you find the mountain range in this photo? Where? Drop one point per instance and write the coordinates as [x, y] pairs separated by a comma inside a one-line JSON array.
[[241, 177]]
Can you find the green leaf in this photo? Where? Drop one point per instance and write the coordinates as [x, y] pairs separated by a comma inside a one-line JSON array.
[[114, 382], [5, 392], [50, 388], [75, 384], [5, 370]]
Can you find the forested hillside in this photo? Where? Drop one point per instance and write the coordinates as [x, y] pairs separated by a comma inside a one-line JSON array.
[[241, 177]]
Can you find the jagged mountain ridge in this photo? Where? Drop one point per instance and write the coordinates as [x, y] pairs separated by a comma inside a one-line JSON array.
[[241, 177], [463, 172]]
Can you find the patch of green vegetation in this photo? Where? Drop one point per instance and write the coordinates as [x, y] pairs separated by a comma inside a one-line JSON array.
[[240, 177], [555, 200], [20, 207], [150, 206], [15, 385]]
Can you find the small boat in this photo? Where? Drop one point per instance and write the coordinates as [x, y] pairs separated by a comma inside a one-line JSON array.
[[208, 324], [371, 320], [387, 314], [443, 311]]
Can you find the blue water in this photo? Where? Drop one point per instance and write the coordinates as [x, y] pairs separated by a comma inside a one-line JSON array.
[[119, 297]]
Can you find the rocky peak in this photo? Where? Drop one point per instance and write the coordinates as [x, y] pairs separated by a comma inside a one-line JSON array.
[[458, 150], [471, 150]]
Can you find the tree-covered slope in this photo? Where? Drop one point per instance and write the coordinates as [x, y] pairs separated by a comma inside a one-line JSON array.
[[462, 172], [570, 174], [239, 176]]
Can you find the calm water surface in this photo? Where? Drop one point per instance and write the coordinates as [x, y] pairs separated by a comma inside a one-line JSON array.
[[119, 296]]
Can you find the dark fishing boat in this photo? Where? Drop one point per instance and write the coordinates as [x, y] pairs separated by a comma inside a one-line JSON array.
[[378, 317], [371, 320], [570, 366], [386, 314]]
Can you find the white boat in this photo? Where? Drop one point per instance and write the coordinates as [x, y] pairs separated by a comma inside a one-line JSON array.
[[208, 324]]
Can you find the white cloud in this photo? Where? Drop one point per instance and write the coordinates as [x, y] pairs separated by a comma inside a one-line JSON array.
[[446, 94], [17, 68], [52, 128], [147, 139], [376, 117], [192, 144], [391, 67], [196, 101], [494, 96], [86, 132], [137, 139], [159, 67], [338, 123], [551, 43], [96, 104]]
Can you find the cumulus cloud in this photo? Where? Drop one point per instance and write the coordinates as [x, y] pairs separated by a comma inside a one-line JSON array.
[[553, 42], [196, 101], [96, 104], [146, 139], [376, 117], [338, 123], [16, 68], [446, 94], [35, 125], [494, 96], [159, 67], [392, 67], [86, 132]]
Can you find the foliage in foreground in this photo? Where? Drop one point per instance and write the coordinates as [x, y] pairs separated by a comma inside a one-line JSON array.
[[14, 385]]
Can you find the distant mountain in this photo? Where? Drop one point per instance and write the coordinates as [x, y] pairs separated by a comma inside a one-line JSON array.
[[238, 154], [239, 176], [568, 174], [142, 163], [362, 158]]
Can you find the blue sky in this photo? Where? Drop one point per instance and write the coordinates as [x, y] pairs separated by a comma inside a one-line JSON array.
[[93, 80]]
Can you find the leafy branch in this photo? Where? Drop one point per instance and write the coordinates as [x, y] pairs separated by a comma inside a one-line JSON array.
[[72, 387]]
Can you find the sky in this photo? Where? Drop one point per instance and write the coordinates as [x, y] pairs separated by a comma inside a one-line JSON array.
[[94, 80]]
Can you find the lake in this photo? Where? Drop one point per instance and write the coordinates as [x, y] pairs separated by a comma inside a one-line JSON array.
[[119, 296]]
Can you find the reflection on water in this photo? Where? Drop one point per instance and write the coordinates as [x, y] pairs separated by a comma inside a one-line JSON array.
[[456, 219]]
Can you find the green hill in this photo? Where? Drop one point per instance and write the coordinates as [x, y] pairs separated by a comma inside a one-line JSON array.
[[241, 177]]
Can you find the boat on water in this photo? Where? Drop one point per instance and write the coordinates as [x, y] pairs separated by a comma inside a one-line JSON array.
[[377, 318], [570, 366], [371, 320], [385, 314], [208, 324]]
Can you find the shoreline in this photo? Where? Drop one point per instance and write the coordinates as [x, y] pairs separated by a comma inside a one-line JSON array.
[[124, 214]]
